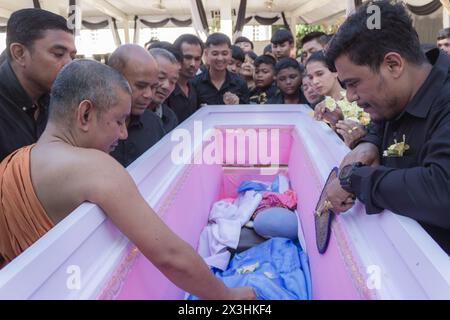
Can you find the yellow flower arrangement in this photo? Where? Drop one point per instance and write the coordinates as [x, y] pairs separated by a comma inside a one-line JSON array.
[[330, 103], [351, 111], [398, 149]]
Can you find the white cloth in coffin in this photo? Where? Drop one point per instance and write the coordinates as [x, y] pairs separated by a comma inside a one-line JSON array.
[[224, 228]]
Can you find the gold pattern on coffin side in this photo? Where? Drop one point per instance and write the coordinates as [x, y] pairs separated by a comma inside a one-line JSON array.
[[346, 250], [115, 284], [353, 265]]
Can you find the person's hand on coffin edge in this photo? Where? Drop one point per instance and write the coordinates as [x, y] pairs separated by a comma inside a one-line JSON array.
[[351, 131], [340, 199]]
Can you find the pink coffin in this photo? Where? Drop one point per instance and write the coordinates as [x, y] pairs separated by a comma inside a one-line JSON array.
[[385, 256]]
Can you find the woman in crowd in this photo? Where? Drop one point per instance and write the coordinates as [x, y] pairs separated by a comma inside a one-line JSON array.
[[326, 83], [237, 59], [248, 69]]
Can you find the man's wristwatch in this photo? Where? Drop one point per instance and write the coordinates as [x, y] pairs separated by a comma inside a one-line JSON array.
[[346, 173]]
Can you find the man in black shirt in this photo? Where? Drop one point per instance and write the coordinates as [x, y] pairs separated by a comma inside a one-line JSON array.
[[39, 44], [218, 86], [408, 97], [183, 100], [169, 70], [144, 127]]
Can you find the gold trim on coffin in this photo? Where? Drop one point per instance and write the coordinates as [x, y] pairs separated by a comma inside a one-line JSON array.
[[346, 250], [115, 284]]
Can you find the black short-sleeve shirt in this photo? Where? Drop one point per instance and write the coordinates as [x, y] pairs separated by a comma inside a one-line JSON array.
[[208, 93], [417, 184], [183, 106], [18, 126], [143, 132]]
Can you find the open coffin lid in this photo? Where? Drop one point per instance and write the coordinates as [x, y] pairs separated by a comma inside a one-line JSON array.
[[384, 256]]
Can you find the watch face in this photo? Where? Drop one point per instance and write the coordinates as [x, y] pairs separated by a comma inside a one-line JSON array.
[[345, 172]]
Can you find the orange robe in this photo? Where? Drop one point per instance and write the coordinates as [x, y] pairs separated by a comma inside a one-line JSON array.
[[22, 218]]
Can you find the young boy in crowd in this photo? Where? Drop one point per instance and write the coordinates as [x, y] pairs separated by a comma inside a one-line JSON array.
[[282, 44], [237, 59], [289, 81], [245, 44], [248, 69], [265, 87]]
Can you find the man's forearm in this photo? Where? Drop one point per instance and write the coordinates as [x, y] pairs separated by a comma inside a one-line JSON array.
[[366, 153], [185, 268], [374, 134], [422, 194]]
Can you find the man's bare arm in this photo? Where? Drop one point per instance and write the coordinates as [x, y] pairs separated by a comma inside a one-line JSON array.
[[112, 188]]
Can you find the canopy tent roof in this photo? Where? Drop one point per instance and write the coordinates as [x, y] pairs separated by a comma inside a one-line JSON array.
[[307, 11], [429, 16], [177, 8]]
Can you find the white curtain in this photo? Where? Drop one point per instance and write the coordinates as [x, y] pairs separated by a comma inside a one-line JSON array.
[[446, 13], [351, 7], [137, 32], [196, 22], [114, 32]]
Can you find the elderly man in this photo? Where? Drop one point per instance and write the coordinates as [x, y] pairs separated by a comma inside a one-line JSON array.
[[169, 72], [41, 184], [144, 127], [39, 44], [407, 95]]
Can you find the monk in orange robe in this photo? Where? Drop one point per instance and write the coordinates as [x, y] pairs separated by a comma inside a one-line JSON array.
[[22, 218]]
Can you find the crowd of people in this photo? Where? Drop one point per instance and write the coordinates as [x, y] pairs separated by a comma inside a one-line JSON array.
[[60, 119]]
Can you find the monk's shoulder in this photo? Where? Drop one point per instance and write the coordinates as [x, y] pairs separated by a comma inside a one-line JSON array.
[[74, 167], [95, 163], [99, 176]]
